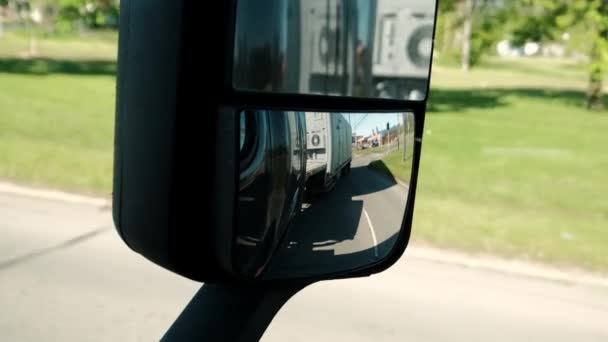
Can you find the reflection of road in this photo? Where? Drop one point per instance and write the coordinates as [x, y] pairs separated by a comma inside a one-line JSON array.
[[350, 226], [385, 208], [95, 289]]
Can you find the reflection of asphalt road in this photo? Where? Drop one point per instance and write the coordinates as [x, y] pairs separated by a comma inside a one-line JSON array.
[[350, 226], [386, 207], [96, 289]]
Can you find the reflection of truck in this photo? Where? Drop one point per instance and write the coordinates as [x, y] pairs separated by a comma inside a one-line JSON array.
[[329, 150], [365, 48], [327, 36], [282, 155], [402, 49]]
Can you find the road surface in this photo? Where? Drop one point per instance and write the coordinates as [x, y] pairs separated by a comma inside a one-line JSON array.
[[66, 276]]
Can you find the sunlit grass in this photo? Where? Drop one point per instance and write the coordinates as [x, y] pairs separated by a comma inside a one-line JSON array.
[[56, 116], [513, 171]]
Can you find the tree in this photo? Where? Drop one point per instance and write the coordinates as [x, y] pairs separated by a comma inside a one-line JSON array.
[[467, 31], [3, 4], [594, 16], [474, 24], [548, 19], [90, 13]]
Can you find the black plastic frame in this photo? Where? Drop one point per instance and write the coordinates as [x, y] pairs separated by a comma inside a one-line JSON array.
[[201, 251]]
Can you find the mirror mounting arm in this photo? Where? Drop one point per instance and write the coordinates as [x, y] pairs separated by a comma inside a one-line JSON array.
[[222, 312]]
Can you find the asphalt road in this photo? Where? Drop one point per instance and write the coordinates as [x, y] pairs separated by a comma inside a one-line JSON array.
[[66, 276]]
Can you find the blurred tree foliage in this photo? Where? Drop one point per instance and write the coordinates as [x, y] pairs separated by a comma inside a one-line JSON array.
[[487, 19], [66, 15], [522, 21], [546, 20]]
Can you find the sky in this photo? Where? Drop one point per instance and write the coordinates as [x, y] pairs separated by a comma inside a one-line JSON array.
[[366, 122]]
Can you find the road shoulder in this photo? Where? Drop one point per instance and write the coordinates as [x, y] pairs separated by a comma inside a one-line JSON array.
[[52, 195], [516, 267]]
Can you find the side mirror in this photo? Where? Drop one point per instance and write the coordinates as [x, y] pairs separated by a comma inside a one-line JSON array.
[[249, 151]]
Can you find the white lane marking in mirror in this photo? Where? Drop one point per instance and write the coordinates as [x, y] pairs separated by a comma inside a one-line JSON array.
[[371, 229], [244, 242], [251, 238], [324, 242]]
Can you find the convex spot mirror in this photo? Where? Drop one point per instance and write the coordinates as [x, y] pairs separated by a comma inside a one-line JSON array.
[[320, 193]]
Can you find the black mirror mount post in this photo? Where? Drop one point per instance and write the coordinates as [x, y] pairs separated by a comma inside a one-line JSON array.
[[222, 312]]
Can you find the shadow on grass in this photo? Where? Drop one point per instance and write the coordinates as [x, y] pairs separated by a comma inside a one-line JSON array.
[[380, 167], [458, 100], [45, 66]]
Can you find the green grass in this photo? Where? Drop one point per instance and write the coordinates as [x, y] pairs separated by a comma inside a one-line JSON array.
[[91, 47], [507, 73], [527, 178], [394, 166], [514, 171], [541, 66], [56, 124]]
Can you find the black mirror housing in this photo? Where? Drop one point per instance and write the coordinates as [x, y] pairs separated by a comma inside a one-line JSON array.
[[176, 166], [162, 191]]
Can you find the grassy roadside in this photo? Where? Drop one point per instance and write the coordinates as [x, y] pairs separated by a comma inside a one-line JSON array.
[[393, 165], [94, 46], [513, 172], [56, 125], [58, 131]]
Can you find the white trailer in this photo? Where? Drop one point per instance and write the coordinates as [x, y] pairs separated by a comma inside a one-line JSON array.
[[329, 150]]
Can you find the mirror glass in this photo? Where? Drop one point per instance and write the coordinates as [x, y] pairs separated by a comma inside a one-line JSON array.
[[361, 48], [320, 193]]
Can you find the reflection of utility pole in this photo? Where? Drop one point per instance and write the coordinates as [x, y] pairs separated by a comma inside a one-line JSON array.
[[397, 136], [404, 135], [352, 133], [397, 133]]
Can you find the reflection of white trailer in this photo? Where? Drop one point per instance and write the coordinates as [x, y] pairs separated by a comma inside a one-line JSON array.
[[327, 40], [397, 36], [329, 150], [402, 49]]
